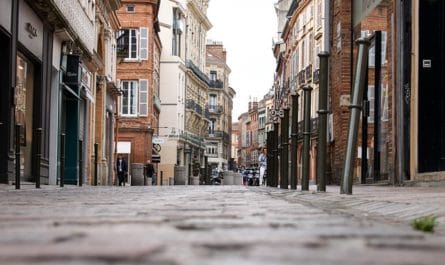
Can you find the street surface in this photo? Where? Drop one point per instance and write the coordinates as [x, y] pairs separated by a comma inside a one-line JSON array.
[[194, 225]]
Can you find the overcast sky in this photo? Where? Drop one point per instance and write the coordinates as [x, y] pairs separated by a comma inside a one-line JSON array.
[[246, 27]]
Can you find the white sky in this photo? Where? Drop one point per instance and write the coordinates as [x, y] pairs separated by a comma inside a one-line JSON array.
[[246, 28]]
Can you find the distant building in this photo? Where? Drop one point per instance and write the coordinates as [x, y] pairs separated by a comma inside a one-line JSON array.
[[220, 104]]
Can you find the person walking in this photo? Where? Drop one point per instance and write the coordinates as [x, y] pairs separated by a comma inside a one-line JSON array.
[[121, 169], [262, 161], [149, 172]]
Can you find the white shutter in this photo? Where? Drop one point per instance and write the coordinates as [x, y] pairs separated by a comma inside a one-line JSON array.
[[143, 97], [143, 44]]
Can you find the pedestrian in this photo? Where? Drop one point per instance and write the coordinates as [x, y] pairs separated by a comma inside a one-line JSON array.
[[149, 171], [121, 169], [262, 161]]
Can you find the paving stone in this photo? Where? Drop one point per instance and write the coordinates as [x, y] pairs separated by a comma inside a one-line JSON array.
[[217, 225]]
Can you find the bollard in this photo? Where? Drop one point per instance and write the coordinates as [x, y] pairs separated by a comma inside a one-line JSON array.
[[80, 163], [274, 179], [38, 156], [62, 159], [17, 156], [269, 158], [294, 143], [96, 153], [377, 105], [284, 180], [306, 137], [162, 178], [355, 107], [322, 122]]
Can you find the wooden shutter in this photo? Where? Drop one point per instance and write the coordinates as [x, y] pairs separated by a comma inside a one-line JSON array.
[[143, 46], [143, 97]]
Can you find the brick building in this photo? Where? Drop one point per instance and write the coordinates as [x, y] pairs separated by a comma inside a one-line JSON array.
[[139, 50]]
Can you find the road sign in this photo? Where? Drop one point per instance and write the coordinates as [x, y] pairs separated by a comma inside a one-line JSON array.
[[158, 140], [157, 148]]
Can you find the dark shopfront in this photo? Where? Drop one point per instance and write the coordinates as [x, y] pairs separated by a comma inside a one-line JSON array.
[[25, 87]]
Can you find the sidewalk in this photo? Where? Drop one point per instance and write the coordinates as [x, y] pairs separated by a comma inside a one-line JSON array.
[[396, 204]]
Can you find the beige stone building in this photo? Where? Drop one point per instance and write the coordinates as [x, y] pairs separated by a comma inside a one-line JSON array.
[[196, 88], [220, 105]]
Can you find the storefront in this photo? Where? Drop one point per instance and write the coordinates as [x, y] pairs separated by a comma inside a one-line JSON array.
[[25, 64]]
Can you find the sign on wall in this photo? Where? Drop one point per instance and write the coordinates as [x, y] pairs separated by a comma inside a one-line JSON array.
[[362, 8]]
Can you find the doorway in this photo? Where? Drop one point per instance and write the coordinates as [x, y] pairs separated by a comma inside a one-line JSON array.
[[24, 95], [431, 121], [5, 111]]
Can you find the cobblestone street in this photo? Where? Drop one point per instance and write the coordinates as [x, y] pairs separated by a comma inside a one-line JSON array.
[[218, 225]]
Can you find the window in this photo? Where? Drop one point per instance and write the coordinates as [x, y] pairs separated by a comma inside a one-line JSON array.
[[131, 8], [212, 126], [262, 120], [213, 102], [319, 14], [213, 75], [134, 43], [129, 98], [372, 50], [371, 99]]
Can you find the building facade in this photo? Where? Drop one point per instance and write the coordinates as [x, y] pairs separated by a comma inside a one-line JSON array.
[[220, 104], [302, 39], [196, 88], [138, 69], [172, 19], [107, 93], [51, 62]]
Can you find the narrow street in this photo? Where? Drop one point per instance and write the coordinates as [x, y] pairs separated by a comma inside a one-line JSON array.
[[217, 225]]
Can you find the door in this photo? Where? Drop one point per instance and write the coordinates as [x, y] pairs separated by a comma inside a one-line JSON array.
[[431, 141]]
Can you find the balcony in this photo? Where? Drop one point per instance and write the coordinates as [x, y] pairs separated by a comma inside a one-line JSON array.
[[316, 76], [195, 69], [216, 109], [190, 104], [308, 73], [216, 84], [301, 77], [220, 135]]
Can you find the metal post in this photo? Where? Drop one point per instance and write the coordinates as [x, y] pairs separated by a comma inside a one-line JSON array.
[[284, 181], [322, 121], [38, 156], [96, 154], [80, 181], [355, 107], [17, 156], [306, 137], [377, 96], [62, 159], [162, 178], [274, 180], [294, 143], [365, 114], [269, 158]]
